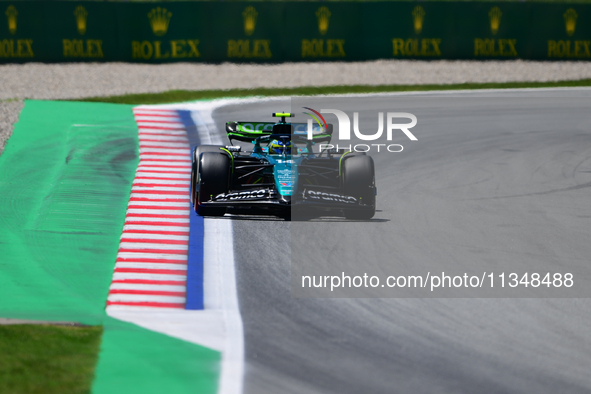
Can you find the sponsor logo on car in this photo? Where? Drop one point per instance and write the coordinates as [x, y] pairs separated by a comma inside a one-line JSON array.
[[245, 195], [328, 197]]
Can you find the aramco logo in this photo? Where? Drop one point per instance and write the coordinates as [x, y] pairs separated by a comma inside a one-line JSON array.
[[81, 14], [570, 20], [494, 15], [159, 20], [418, 15], [323, 16], [11, 14], [250, 20]]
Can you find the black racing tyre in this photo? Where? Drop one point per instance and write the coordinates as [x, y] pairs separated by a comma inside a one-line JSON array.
[[195, 167], [359, 181], [214, 179]]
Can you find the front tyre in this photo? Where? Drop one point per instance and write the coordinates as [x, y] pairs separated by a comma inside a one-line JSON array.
[[214, 179], [195, 168], [359, 182]]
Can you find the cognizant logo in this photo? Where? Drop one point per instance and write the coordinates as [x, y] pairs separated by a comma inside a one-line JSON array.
[[344, 131]]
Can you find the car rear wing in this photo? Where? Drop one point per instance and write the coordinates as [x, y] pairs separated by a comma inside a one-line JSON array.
[[249, 131]]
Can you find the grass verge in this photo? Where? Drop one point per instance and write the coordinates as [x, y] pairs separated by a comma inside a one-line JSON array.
[[45, 359], [175, 96]]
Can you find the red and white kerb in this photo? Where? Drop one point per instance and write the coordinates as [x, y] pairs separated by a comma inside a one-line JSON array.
[[151, 266]]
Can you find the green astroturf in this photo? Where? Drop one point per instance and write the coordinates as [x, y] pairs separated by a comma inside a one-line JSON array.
[[65, 179]]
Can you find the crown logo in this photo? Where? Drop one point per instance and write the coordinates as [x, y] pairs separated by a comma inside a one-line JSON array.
[[570, 19], [159, 19], [418, 15], [323, 16], [81, 15], [494, 15], [11, 14], [250, 20]]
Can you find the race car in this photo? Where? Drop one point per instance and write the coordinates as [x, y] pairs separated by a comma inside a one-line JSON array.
[[284, 174]]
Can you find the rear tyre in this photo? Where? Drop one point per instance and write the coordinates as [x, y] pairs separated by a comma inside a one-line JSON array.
[[214, 179], [195, 168], [359, 181]]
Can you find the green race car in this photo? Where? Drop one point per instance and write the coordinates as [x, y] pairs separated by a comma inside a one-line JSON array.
[[282, 175]]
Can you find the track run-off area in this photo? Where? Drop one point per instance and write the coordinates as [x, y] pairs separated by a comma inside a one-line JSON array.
[[96, 228]]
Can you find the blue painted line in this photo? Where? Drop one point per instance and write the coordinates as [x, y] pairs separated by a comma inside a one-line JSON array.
[[195, 263], [195, 256]]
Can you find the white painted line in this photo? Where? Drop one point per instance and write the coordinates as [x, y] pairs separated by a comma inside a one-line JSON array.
[[152, 110], [152, 118], [162, 211], [164, 144], [162, 158], [173, 196], [144, 180], [156, 118], [148, 174], [156, 228], [162, 125], [162, 165], [141, 246], [145, 298], [162, 151], [171, 204], [154, 266], [119, 311], [159, 188], [157, 196], [133, 275], [174, 157], [139, 255], [177, 164], [153, 167], [133, 218], [160, 130], [140, 236], [145, 139], [137, 286], [200, 327], [165, 138], [221, 294]]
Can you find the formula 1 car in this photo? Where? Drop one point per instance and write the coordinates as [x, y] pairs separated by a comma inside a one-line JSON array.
[[282, 174]]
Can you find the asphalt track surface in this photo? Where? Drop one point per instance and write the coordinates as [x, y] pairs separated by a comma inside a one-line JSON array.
[[495, 177]]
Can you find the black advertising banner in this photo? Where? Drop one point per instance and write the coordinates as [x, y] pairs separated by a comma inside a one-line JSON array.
[[79, 32], [489, 31], [22, 32], [152, 32], [323, 31], [291, 31], [246, 32], [410, 30], [564, 32]]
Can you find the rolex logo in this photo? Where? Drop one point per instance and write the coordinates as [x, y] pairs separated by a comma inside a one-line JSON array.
[[250, 20], [11, 14], [81, 14], [323, 16], [418, 15], [570, 19], [159, 19], [494, 15]]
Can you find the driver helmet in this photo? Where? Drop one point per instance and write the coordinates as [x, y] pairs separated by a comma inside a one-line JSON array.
[[277, 147]]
